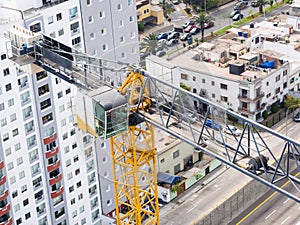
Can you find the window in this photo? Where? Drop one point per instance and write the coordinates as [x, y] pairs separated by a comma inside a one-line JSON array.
[[73, 12], [65, 136], [72, 201], [67, 149], [224, 86], [284, 85], [78, 185], [123, 55], [63, 123], [12, 180], [35, 168], [15, 194], [37, 182], [5, 71], [76, 41], [52, 34], [277, 78], [74, 214], [8, 151], [19, 160], [3, 122], [88, 2], [2, 107], [104, 47], [41, 208], [130, 2], [101, 14], [27, 216], [108, 202], [8, 87], [277, 90], [45, 104], [13, 117], [92, 35], [80, 196], [184, 76], [43, 89], [103, 31], [122, 39], [5, 137], [17, 207], [10, 165], [59, 94], [47, 118], [175, 154], [71, 189], [77, 171], [91, 19], [162, 160], [61, 32], [224, 99], [3, 56], [70, 175], [25, 97], [15, 132], [33, 155], [131, 19], [59, 213], [50, 19], [35, 27], [58, 16], [119, 7], [25, 202], [68, 162], [19, 221], [107, 188], [17, 146], [74, 27], [81, 210], [284, 72], [74, 145], [24, 188], [132, 35]]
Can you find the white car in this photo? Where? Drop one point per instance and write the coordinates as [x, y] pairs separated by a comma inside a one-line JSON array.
[[233, 130]]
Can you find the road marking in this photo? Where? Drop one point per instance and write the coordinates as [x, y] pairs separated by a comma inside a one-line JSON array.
[[263, 202], [270, 214], [174, 20], [190, 209], [286, 219], [286, 201]]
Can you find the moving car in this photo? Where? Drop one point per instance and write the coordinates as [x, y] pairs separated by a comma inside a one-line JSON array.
[[209, 123], [185, 36], [189, 28], [162, 36], [297, 117], [209, 24], [195, 30], [233, 130], [237, 17]]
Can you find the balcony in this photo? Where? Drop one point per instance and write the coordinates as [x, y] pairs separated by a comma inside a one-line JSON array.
[[4, 196], [5, 210], [8, 222], [52, 153], [1, 164], [55, 194], [53, 166], [50, 139], [2, 180], [56, 179], [245, 98]]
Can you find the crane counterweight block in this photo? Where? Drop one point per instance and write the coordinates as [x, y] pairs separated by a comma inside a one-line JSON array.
[[257, 162], [134, 119]]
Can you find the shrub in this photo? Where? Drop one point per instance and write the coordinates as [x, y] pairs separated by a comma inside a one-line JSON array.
[[265, 114], [275, 107], [188, 10], [141, 27]]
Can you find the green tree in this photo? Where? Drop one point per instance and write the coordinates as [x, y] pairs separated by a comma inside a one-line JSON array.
[[167, 8], [291, 103], [201, 20], [261, 4], [150, 43], [186, 2]]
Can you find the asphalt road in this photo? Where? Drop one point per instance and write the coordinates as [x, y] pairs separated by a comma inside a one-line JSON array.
[[271, 209]]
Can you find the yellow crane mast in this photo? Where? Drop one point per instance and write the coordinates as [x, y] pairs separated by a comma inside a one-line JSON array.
[[134, 161]]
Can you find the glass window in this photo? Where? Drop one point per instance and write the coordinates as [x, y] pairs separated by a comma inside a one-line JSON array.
[[58, 16], [8, 87], [73, 12], [13, 117], [50, 19], [36, 27]]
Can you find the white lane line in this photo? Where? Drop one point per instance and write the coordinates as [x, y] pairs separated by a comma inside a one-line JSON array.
[[286, 201], [190, 209], [286, 220], [270, 214]]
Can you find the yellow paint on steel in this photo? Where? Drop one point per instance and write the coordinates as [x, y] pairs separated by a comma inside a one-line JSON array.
[[263, 202]]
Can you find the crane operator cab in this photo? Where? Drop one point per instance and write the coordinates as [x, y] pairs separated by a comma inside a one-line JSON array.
[[102, 112]]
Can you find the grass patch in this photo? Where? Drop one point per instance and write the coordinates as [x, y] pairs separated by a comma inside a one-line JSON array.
[[222, 30]]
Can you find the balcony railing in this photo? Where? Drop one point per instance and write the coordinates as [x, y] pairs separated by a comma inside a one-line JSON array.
[[53, 166], [56, 179], [55, 194], [5, 210], [8, 222], [4, 196], [52, 153], [1, 164], [245, 98], [50, 139], [2, 180]]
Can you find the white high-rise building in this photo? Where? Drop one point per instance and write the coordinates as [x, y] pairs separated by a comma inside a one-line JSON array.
[[48, 167]]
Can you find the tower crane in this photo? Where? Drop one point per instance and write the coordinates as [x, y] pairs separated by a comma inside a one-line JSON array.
[[259, 152]]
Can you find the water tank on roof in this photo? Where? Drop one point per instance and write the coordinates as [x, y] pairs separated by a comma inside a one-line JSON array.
[[245, 34], [240, 33]]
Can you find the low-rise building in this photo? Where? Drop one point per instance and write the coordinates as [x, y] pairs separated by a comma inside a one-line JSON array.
[[149, 13]]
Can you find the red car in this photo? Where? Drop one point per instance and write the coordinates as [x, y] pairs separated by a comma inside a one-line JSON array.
[[209, 24], [189, 28]]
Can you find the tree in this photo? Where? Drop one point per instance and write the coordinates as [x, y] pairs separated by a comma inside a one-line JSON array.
[[186, 2], [201, 20], [150, 43], [291, 103], [261, 4], [167, 8]]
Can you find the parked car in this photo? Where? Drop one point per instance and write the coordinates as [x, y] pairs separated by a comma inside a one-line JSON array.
[[175, 2], [233, 130], [239, 6], [255, 3], [209, 24], [185, 36], [297, 117], [162, 36], [209, 123], [189, 28], [172, 42], [160, 53], [238, 17], [173, 35], [143, 55], [191, 22], [190, 117], [195, 30], [233, 13]]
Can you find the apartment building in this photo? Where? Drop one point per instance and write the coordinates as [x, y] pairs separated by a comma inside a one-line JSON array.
[[227, 72], [106, 29], [49, 171]]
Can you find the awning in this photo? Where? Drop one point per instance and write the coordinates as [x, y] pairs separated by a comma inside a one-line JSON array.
[[167, 178]]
